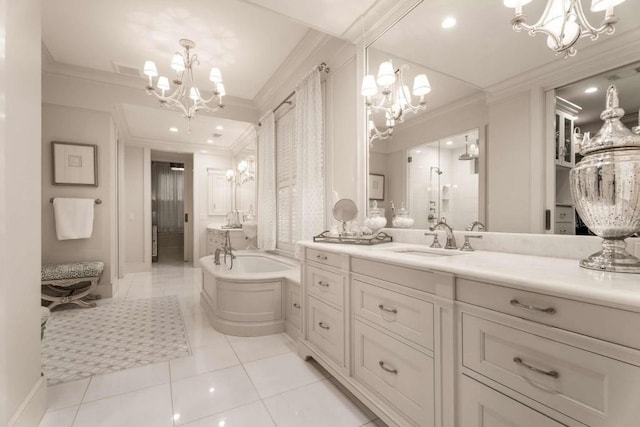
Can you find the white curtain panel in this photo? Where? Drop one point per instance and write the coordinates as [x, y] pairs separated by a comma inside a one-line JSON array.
[[267, 214], [168, 196], [310, 210]]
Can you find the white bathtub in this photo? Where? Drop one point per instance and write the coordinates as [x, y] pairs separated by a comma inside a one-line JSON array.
[[247, 300]]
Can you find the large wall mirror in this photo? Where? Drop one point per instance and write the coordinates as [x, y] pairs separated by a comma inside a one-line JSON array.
[[425, 167], [577, 112], [419, 168]]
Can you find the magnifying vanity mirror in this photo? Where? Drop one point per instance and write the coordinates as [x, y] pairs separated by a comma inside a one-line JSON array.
[[345, 210]]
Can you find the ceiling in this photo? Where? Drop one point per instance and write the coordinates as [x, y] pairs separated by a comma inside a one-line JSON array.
[[482, 49], [249, 39]]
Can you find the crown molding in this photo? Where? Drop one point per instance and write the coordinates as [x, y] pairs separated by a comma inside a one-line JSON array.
[[381, 16], [608, 53], [177, 147], [311, 42], [247, 137]]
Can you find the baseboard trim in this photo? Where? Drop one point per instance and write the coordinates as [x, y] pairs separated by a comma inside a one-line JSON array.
[[32, 409]]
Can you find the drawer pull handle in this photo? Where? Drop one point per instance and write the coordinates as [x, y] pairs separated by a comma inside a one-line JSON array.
[[324, 325], [552, 374], [323, 284], [388, 310], [322, 257], [384, 368], [296, 305], [548, 310]]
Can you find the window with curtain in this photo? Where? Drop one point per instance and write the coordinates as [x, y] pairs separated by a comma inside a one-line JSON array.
[[286, 180], [168, 197]]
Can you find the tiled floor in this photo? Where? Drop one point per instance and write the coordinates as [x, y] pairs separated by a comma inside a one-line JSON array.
[[227, 381]]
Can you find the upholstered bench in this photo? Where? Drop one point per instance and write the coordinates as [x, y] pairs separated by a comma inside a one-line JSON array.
[[70, 282]]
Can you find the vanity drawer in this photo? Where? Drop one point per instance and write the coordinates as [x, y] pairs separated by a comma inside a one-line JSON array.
[[588, 387], [564, 228], [481, 406], [422, 280], [326, 258], [293, 305], [565, 214], [325, 285], [409, 317], [399, 373], [588, 319], [325, 329]]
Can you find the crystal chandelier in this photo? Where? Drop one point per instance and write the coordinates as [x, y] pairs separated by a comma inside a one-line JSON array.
[[186, 97], [396, 100], [564, 22]]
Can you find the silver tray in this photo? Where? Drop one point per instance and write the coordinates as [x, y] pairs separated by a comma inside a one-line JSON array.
[[381, 237]]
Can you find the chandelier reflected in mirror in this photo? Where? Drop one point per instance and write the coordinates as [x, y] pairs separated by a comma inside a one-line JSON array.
[[186, 96], [564, 22], [396, 101], [245, 172]]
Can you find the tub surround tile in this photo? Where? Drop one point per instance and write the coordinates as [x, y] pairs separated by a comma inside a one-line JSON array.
[[282, 373], [208, 394], [251, 415], [319, 404]]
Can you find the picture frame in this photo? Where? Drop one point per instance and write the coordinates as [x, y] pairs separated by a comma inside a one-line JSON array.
[[376, 187], [74, 163]]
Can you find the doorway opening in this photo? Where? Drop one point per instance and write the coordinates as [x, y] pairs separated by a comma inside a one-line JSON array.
[[170, 208]]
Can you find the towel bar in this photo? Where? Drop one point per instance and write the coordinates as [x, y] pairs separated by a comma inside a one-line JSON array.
[[98, 201]]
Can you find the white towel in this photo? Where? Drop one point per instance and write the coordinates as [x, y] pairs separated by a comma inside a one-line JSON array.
[[74, 218]]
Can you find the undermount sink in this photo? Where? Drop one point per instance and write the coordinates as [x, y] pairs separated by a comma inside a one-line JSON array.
[[425, 252]]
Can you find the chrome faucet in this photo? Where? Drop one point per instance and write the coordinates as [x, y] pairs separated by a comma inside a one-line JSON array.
[[451, 239], [227, 249], [481, 226], [216, 256]]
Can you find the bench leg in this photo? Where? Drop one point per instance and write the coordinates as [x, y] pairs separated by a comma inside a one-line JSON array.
[[74, 298]]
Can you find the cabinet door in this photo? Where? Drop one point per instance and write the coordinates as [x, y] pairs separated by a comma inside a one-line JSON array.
[[481, 406]]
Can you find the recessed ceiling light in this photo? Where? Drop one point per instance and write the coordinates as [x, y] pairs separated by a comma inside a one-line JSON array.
[[219, 127], [204, 151], [449, 22], [210, 141], [173, 129], [418, 151], [449, 142], [591, 89]]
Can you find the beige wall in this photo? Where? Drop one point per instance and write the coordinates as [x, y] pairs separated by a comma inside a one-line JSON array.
[[67, 124], [134, 235], [508, 166], [22, 391]]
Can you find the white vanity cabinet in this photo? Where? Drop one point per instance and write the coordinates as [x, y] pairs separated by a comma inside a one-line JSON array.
[[324, 282], [569, 360], [378, 328], [293, 309]]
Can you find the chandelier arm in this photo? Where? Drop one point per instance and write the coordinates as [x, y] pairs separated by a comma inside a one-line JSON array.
[[606, 27]]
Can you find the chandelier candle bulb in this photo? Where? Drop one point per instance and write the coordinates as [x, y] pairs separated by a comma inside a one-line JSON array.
[[221, 91], [386, 74], [421, 85], [600, 5], [215, 75], [369, 87], [177, 63]]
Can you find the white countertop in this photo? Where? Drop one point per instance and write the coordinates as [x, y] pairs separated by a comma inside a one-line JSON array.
[[554, 276]]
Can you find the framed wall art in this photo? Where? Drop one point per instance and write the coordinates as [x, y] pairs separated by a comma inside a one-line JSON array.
[[376, 187], [74, 163]]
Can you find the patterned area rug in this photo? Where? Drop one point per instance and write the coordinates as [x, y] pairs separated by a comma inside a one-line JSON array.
[[82, 342]]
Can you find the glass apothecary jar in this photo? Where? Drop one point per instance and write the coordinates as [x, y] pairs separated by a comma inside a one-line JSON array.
[[375, 221], [402, 218]]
